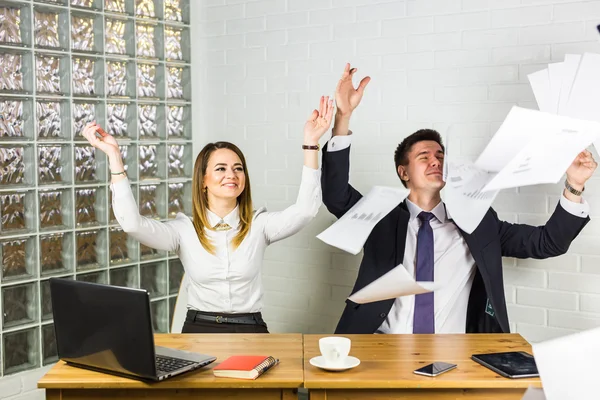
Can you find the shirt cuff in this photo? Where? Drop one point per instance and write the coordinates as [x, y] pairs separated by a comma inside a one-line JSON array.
[[338, 143], [578, 209], [312, 176]]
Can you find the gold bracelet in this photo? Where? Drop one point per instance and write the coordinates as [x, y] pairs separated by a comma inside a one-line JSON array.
[[118, 173]]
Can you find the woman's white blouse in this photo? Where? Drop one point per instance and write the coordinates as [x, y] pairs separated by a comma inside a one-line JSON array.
[[230, 280]]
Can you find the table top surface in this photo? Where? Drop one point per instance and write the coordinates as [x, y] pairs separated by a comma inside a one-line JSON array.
[[286, 347], [388, 361]]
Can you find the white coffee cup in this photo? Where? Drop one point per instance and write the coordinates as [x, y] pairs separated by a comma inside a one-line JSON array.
[[334, 349]]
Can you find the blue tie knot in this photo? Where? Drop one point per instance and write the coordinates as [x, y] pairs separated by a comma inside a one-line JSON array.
[[425, 216]]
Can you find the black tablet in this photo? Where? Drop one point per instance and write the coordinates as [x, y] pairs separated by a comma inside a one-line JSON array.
[[514, 364]]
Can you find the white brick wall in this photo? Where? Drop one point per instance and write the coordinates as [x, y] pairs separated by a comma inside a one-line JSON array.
[[456, 66], [23, 386]]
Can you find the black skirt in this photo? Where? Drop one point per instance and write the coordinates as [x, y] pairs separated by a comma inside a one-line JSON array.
[[194, 323]]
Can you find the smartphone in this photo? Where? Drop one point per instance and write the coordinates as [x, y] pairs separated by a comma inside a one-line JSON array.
[[435, 369]]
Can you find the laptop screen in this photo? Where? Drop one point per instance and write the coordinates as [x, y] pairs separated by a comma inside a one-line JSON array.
[[103, 327]]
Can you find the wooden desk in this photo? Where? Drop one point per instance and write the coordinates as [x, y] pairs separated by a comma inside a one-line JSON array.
[[65, 382], [388, 362]]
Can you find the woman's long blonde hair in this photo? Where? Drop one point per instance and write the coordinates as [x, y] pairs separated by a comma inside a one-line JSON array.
[[200, 198]]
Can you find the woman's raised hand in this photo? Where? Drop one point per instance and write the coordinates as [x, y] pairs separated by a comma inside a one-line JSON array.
[[106, 143], [319, 122]]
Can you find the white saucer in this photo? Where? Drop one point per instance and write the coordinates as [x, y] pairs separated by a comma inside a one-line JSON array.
[[349, 363]]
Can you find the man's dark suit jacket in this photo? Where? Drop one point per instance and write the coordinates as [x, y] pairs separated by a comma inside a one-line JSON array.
[[489, 242]]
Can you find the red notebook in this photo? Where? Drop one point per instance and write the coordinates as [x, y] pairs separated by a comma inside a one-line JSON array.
[[244, 367]]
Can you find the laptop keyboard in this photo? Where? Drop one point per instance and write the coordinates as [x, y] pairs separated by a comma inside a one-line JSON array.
[[169, 364]]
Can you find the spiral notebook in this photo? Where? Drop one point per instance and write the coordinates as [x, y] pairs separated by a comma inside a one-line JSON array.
[[244, 367]]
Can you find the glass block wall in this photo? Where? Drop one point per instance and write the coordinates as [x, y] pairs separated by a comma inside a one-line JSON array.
[[125, 64]]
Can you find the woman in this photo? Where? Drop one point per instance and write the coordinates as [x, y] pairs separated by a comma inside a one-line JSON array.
[[222, 246]]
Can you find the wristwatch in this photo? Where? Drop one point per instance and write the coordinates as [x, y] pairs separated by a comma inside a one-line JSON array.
[[572, 189]]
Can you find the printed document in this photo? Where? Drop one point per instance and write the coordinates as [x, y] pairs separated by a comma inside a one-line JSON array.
[[395, 283], [570, 88], [350, 232]]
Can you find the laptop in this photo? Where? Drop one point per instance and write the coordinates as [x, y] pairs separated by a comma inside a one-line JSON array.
[[109, 329]]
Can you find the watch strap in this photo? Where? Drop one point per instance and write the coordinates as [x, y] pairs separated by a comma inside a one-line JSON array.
[[572, 189]]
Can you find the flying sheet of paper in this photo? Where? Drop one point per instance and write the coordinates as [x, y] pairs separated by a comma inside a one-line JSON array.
[[529, 148], [584, 98], [507, 141], [546, 145], [350, 232], [465, 202], [567, 365], [585, 92], [570, 67], [533, 393], [555, 73], [533, 147], [540, 84], [395, 283]]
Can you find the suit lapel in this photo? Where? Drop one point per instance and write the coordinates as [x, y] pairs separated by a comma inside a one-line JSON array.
[[401, 231], [474, 247], [473, 244]]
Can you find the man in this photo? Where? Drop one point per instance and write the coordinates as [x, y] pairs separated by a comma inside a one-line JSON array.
[[420, 234]]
